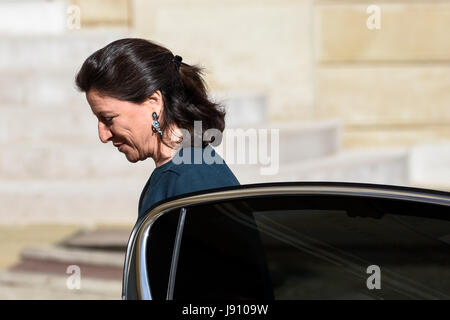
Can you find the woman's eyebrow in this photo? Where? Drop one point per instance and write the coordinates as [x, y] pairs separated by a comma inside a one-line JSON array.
[[102, 112]]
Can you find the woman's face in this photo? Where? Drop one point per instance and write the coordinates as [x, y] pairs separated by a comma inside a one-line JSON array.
[[126, 124]]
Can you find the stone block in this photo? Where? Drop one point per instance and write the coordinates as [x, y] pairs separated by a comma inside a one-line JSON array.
[[384, 94], [409, 31]]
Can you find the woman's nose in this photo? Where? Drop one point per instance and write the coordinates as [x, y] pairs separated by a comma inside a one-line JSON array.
[[104, 132]]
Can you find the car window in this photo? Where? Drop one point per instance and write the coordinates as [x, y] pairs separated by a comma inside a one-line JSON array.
[[221, 258], [161, 242], [315, 247]]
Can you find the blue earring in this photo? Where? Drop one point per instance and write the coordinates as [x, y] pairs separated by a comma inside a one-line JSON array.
[[155, 123]]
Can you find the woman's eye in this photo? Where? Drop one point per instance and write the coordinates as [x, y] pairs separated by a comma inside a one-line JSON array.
[[108, 119]]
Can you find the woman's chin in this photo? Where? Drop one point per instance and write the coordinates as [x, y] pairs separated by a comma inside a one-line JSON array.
[[133, 158], [130, 157]]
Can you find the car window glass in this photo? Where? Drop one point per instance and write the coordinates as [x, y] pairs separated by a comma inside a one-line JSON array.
[[315, 247], [329, 255], [159, 253]]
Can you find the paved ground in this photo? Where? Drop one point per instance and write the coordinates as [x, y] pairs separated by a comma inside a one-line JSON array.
[[32, 286], [13, 239]]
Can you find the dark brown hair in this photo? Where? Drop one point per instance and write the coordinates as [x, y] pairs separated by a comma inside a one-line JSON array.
[[133, 69]]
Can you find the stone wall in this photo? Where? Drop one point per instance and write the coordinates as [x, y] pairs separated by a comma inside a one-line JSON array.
[[318, 60], [389, 86], [246, 46]]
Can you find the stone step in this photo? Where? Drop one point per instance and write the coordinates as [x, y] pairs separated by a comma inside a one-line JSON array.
[[44, 87], [67, 124], [98, 264], [370, 166], [430, 165], [67, 161], [383, 166], [91, 201], [296, 142], [71, 149], [16, 285], [110, 239], [68, 50], [81, 202], [243, 108], [98, 255], [76, 121]]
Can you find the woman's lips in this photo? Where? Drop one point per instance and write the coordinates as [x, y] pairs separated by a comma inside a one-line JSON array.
[[119, 146]]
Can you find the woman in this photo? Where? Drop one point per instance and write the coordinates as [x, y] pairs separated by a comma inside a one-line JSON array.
[[146, 101]]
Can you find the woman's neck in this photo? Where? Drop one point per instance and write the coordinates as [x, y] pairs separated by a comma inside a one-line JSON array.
[[164, 152]]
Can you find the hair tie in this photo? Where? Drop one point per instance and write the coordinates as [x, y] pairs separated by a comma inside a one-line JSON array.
[[177, 60]]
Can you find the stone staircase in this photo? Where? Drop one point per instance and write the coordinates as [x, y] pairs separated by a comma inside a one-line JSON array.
[[370, 166], [54, 169], [43, 272]]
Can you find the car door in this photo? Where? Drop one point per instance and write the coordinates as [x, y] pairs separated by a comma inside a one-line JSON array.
[[293, 241]]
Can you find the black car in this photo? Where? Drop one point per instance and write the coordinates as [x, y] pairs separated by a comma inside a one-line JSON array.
[[305, 240]]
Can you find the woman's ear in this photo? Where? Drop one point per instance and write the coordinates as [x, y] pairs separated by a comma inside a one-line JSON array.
[[155, 102]]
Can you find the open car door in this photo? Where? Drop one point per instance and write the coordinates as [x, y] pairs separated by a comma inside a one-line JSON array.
[[311, 240]]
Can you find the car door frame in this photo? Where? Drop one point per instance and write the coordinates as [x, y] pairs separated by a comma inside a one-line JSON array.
[[135, 277]]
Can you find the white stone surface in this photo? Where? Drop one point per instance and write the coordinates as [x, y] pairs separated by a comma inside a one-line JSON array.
[[379, 166], [87, 202], [283, 142], [32, 17], [39, 125], [54, 169], [264, 47], [37, 88], [69, 161], [430, 165], [243, 109], [63, 144], [69, 50]]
